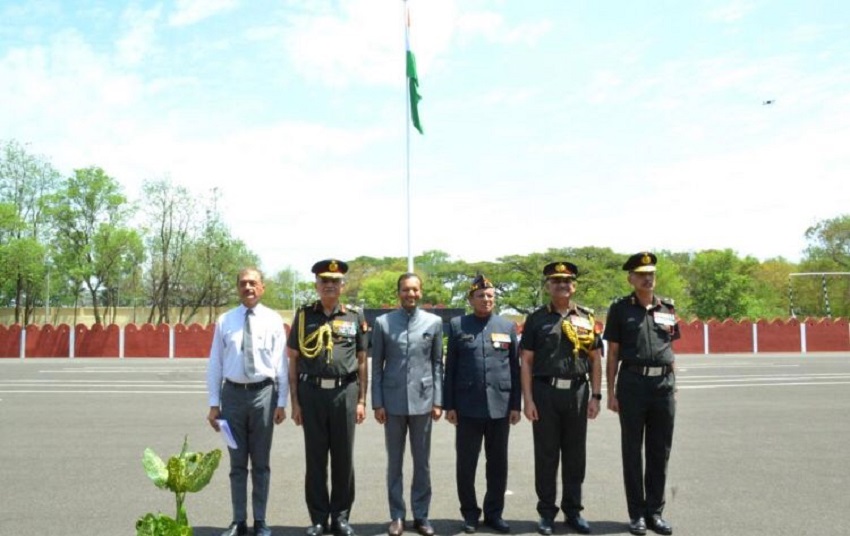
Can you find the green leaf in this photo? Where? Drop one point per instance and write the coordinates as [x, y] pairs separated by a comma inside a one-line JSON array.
[[160, 525], [155, 468], [201, 471]]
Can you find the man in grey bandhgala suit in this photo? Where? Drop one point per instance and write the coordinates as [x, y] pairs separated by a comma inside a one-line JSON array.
[[407, 377]]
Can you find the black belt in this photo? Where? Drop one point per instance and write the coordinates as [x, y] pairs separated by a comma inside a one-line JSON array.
[[657, 370], [558, 382], [328, 383], [253, 386]]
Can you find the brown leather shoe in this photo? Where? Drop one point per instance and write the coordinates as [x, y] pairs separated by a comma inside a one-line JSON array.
[[396, 528], [423, 527]]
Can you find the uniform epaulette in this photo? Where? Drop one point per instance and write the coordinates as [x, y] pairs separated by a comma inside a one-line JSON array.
[[354, 308], [622, 299], [666, 301], [585, 310]]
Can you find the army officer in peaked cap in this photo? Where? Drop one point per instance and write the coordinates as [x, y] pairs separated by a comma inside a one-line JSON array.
[[481, 397], [641, 377], [328, 381], [560, 347]]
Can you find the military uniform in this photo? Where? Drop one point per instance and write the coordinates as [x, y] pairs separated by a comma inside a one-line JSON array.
[[645, 389], [482, 386], [561, 346], [328, 390]]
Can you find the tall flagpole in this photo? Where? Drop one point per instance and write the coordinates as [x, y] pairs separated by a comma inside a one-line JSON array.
[[407, 136]]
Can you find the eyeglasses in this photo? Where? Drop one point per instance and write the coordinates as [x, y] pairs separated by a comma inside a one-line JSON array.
[[334, 280]]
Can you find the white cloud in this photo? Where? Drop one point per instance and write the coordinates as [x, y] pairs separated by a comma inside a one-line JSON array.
[[191, 11], [137, 42], [494, 29], [732, 12]]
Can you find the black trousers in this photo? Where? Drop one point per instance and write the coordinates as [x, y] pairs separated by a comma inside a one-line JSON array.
[[647, 412], [469, 434], [328, 419], [560, 435]]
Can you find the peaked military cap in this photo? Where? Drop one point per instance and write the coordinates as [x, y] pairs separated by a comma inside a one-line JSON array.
[[560, 269], [480, 282], [641, 262], [330, 268]]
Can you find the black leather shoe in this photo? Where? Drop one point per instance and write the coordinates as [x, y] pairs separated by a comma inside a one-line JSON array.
[[237, 528], [423, 527], [578, 524], [470, 526], [261, 529], [544, 526], [396, 528], [498, 524], [342, 528], [315, 530], [637, 526], [660, 526]]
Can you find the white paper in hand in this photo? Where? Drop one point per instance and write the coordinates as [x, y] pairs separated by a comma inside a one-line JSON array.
[[226, 434]]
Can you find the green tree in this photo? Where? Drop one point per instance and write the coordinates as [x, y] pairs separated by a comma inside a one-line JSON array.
[[770, 289], [90, 213], [26, 181], [379, 290], [830, 239], [720, 284], [170, 212], [213, 261], [287, 290]]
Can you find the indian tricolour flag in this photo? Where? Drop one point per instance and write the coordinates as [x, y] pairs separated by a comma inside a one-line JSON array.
[[412, 79]]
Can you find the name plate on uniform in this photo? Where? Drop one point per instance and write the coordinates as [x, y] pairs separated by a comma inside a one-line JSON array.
[[665, 319], [501, 340]]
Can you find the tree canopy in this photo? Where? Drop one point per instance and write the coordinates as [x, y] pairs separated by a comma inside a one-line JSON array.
[[79, 240]]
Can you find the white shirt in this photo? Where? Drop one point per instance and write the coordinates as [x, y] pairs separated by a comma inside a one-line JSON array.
[[226, 359]]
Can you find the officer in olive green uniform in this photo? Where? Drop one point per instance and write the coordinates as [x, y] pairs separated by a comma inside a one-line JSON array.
[[560, 347], [640, 330], [328, 382]]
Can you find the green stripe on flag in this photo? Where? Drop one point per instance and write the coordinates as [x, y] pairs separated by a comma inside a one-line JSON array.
[[415, 97]]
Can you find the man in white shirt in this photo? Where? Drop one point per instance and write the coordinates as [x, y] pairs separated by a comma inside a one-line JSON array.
[[246, 375]]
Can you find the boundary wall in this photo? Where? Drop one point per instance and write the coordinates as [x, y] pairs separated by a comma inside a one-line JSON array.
[[147, 340], [193, 341]]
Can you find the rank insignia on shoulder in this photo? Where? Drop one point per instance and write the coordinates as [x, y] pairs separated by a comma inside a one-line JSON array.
[[583, 309]]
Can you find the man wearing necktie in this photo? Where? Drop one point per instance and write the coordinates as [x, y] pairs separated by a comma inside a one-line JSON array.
[[248, 385]]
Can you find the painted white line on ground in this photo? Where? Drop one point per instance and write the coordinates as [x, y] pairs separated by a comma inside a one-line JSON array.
[[83, 382], [765, 377], [730, 365], [42, 392], [787, 384], [121, 370]]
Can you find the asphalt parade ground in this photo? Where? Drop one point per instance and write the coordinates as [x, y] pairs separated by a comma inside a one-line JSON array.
[[760, 447]]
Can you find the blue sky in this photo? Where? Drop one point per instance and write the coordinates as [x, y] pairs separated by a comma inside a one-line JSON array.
[[548, 123]]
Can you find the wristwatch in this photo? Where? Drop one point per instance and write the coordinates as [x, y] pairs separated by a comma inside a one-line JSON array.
[[597, 396]]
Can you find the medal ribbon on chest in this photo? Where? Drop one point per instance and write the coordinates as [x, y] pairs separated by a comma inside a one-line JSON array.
[[581, 340]]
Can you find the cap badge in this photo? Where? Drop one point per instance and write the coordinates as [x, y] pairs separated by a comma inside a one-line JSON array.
[[333, 266], [646, 259], [560, 268]]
